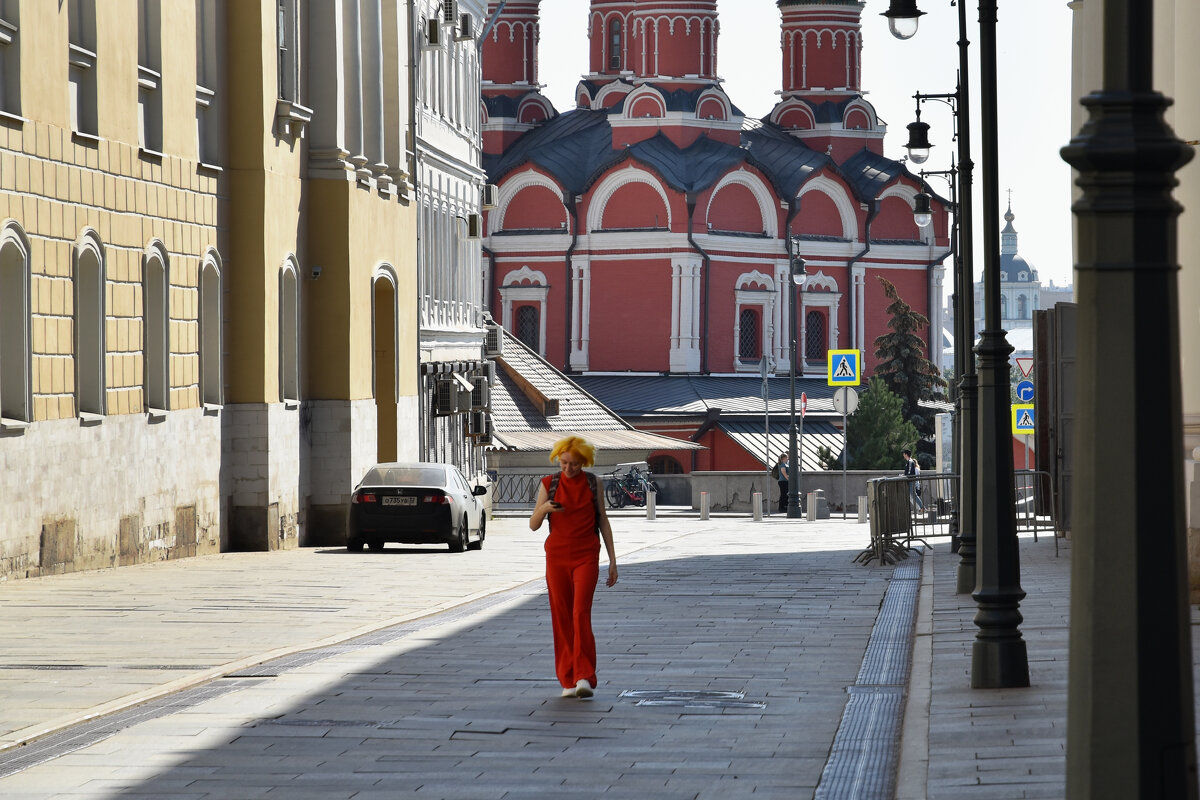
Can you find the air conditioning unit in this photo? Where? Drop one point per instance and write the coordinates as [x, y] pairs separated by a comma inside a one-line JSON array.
[[493, 341], [474, 226], [478, 423], [481, 394], [433, 33], [488, 195], [490, 369], [465, 401], [485, 436], [445, 401], [449, 11], [466, 28]]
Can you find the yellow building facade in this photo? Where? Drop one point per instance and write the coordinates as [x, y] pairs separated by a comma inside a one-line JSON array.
[[207, 274]]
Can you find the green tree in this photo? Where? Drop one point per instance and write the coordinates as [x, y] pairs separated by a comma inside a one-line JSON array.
[[902, 364], [877, 432]]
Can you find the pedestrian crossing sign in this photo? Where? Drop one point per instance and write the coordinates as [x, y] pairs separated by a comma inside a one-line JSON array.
[[1023, 416], [845, 367]]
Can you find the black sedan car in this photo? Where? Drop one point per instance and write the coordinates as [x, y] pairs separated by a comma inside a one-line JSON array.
[[418, 503]]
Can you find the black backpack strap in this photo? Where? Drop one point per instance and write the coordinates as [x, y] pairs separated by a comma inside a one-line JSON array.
[[553, 486]]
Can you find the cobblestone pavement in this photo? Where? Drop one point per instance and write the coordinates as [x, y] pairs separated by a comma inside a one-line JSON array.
[[761, 625], [726, 652]]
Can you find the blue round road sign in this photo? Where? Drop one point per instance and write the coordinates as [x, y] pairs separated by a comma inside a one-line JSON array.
[[1025, 391]]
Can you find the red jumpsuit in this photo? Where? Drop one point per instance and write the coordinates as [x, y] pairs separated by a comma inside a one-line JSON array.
[[572, 570]]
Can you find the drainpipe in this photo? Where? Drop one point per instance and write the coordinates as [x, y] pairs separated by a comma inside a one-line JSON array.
[[704, 274], [872, 210], [573, 212], [793, 212], [489, 287], [422, 412]]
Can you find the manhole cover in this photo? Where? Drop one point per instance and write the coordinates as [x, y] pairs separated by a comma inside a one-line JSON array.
[[682, 698]]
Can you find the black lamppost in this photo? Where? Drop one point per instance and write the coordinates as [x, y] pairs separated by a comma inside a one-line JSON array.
[[998, 657], [799, 276], [1130, 725], [966, 418]]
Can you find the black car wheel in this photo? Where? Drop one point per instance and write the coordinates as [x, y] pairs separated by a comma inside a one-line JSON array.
[[354, 544], [375, 544], [482, 532], [460, 542]]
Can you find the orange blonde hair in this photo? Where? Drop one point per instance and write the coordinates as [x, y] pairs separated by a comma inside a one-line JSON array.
[[576, 445]]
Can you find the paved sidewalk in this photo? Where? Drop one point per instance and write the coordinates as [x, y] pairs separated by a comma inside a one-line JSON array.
[[775, 613]]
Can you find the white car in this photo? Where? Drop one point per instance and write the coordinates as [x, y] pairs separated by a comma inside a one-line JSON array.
[[420, 503]]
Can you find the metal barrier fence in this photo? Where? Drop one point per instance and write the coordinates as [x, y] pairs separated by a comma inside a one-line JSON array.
[[904, 510], [516, 490]]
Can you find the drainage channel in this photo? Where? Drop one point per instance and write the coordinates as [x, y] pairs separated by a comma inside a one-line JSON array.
[[87, 733], [862, 762]]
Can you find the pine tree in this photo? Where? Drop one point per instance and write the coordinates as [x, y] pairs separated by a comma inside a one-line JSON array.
[[902, 364], [877, 431]]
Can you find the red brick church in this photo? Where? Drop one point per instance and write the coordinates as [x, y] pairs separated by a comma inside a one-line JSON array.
[[644, 235]]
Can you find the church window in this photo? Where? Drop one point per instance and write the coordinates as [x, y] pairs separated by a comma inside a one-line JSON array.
[[815, 338], [1022, 276], [1003, 307], [89, 327], [615, 44], [748, 335], [289, 332], [1004, 277], [211, 385], [528, 327], [1022, 307]]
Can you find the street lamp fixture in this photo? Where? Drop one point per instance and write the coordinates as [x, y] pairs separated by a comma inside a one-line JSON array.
[[998, 655], [903, 17], [799, 276], [922, 212], [918, 146]]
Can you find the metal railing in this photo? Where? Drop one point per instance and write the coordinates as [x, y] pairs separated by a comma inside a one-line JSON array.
[[904, 510]]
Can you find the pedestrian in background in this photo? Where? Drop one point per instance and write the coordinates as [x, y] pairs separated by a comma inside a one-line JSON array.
[[780, 473], [573, 501], [913, 470]]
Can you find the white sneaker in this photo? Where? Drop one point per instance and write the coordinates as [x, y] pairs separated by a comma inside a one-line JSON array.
[[583, 689], [568, 692]]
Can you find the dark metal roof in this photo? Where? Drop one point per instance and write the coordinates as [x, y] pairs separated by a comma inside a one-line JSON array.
[[695, 395], [573, 147], [518, 425], [692, 169], [787, 161], [776, 437], [869, 173]]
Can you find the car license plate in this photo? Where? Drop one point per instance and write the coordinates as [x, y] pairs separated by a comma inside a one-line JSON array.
[[399, 501]]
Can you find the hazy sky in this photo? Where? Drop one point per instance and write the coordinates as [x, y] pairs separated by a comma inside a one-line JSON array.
[[1034, 43]]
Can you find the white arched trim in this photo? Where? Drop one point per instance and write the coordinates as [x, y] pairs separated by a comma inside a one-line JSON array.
[[841, 200], [820, 283], [16, 354], [289, 329], [616, 87], [763, 297], [525, 285], [209, 318], [762, 195], [511, 188], [789, 106], [535, 100], [605, 190], [719, 97], [641, 93]]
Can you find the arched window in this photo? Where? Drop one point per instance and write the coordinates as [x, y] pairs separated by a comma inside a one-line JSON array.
[[155, 328], [1003, 307], [816, 340], [665, 465], [529, 327], [14, 325], [749, 337], [289, 332], [1022, 307], [212, 390], [615, 44], [89, 326]]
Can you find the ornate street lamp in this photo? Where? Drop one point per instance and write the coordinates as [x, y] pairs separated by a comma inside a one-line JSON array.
[[918, 146], [1131, 654], [903, 17], [799, 276], [998, 657]]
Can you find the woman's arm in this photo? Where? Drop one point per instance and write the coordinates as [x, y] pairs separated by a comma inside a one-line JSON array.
[[606, 534], [541, 508]]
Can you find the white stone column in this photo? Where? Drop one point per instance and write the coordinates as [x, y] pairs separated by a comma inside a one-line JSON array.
[[352, 98], [371, 40], [685, 308], [581, 301], [936, 318], [327, 151]]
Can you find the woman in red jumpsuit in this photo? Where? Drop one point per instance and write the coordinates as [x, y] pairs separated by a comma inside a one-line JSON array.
[[573, 561]]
